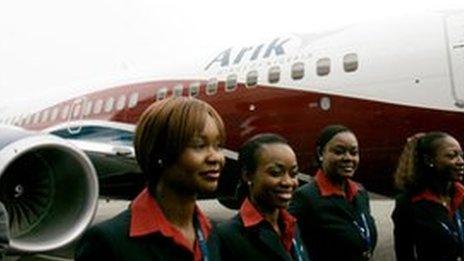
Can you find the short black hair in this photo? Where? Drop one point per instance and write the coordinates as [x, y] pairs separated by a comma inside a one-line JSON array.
[[248, 160], [326, 135], [247, 157]]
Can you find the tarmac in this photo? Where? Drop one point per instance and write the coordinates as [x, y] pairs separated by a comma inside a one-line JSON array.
[[381, 210]]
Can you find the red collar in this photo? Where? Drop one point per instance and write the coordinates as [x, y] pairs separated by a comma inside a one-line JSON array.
[[327, 188], [147, 218], [458, 197], [251, 217]]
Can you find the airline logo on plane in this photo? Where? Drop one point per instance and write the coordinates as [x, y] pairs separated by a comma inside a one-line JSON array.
[[250, 53]]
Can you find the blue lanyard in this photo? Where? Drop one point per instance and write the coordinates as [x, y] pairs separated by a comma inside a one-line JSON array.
[[459, 234], [364, 231], [457, 216], [201, 239], [297, 249]]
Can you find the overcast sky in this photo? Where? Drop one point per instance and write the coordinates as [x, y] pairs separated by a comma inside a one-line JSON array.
[[51, 47]]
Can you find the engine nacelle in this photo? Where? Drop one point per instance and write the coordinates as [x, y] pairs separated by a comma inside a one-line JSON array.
[[49, 189]]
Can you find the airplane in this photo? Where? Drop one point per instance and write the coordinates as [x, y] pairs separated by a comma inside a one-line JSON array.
[[386, 80]]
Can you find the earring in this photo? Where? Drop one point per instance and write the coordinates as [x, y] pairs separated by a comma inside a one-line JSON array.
[[431, 165], [320, 159], [249, 183], [160, 162]]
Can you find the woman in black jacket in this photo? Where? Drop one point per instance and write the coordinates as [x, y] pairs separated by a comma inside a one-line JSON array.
[[177, 145], [263, 229], [332, 210], [428, 215]]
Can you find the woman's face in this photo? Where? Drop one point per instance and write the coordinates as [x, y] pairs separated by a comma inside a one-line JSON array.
[[340, 156], [200, 163], [274, 180], [448, 159]]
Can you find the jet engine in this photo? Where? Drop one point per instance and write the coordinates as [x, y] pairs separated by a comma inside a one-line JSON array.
[[49, 189]]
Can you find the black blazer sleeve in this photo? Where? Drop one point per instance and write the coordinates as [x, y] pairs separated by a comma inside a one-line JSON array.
[[402, 231], [301, 209], [93, 246]]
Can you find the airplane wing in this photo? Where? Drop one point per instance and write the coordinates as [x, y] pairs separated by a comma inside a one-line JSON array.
[[109, 148]]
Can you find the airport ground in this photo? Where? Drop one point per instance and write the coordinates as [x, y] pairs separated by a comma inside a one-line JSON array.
[[381, 209]]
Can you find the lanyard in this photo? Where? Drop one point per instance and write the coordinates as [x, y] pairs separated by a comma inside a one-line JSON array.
[[201, 239], [459, 234], [298, 249], [457, 216], [364, 231]]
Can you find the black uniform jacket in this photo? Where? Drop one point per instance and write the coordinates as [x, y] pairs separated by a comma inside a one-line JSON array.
[[426, 229], [334, 226], [140, 233], [248, 236]]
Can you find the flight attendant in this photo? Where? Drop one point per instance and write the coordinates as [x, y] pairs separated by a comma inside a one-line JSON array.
[[177, 145], [332, 210], [428, 215], [263, 229]]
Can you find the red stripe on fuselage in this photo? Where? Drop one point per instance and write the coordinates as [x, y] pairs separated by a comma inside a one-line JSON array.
[[381, 128]]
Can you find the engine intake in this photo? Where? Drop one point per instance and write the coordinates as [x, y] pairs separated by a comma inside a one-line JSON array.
[[49, 189]]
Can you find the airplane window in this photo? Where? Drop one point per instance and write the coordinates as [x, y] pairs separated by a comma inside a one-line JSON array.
[[252, 78], [22, 120], [211, 86], [231, 83], [44, 116], [178, 90], [121, 102], [36, 118], [54, 114], [274, 74], [88, 107], [109, 104], [350, 62], [298, 71], [98, 106], [133, 100], [323, 66], [76, 110], [28, 119], [64, 112], [161, 94], [194, 89]]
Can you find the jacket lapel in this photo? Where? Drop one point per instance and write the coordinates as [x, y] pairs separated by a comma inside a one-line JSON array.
[[272, 241], [346, 207]]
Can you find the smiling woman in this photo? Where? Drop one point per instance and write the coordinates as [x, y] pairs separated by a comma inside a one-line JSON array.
[[177, 144], [263, 229], [333, 211], [427, 218]]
